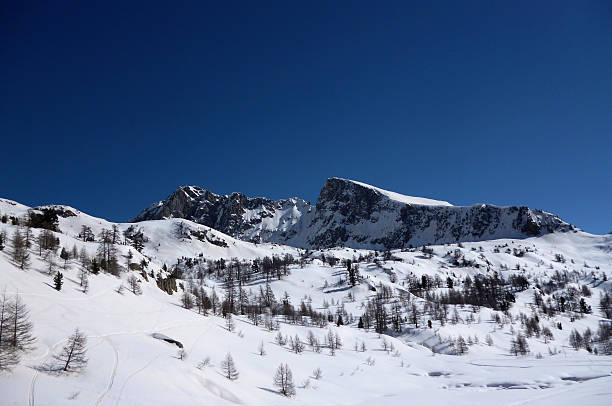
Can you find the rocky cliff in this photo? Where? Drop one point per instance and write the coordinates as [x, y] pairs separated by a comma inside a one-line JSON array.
[[251, 219], [352, 214]]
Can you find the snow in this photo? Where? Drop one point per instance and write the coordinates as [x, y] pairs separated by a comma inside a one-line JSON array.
[[128, 366], [402, 198]]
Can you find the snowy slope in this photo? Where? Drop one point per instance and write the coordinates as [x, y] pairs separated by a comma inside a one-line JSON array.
[[128, 366], [401, 198]]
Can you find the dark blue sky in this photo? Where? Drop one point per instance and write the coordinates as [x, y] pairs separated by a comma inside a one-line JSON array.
[[110, 107]]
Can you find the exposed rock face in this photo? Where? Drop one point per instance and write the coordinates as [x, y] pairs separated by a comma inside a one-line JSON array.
[[352, 214], [59, 210], [250, 219]]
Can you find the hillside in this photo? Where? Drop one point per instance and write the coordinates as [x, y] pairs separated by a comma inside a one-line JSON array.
[[503, 288]]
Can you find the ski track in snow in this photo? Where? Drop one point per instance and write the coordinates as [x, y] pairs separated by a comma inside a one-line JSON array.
[[32, 389], [111, 380], [130, 376], [148, 363], [44, 357], [545, 395]]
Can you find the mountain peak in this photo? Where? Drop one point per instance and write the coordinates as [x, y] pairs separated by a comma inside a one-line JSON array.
[[352, 214], [391, 195], [251, 219]]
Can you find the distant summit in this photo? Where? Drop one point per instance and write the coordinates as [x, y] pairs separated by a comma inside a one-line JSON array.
[[251, 219], [352, 214]]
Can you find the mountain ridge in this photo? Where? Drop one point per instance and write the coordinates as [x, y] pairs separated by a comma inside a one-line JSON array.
[[352, 214]]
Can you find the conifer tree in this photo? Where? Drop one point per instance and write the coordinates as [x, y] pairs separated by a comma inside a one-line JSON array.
[[283, 380], [229, 368], [462, 347], [58, 281], [134, 285], [519, 345], [296, 345], [65, 255], [229, 322], [187, 300], [83, 276], [9, 356], [20, 254], [73, 355], [15, 331]]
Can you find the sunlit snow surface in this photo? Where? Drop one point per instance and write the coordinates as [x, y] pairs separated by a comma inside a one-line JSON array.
[[128, 366], [403, 198]]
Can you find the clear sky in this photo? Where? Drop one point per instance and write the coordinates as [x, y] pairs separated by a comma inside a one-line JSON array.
[[110, 107]]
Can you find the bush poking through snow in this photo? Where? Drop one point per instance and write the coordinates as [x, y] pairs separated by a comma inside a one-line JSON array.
[[204, 363]]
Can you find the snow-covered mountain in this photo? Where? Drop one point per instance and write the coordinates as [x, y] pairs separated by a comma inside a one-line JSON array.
[[250, 219], [352, 214], [552, 286]]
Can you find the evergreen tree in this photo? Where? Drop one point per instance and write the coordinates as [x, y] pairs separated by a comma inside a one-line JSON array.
[[229, 322], [50, 260], [82, 276], [20, 328], [9, 356], [280, 339], [380, 315], [46, 241], [229, 368], [20, 254], [296, 345], [187, 300], [107, 252], [270, 300], [95, 266], [84, 258], [85, 283], [65, 255], [75, 252], [283, 380], [576, 340], [462, 347], [519, 345], [86, 234], [58, 281], [547, 334], [134, 285], [350, 270], [605, 305], [15, 331], [72, 357]]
